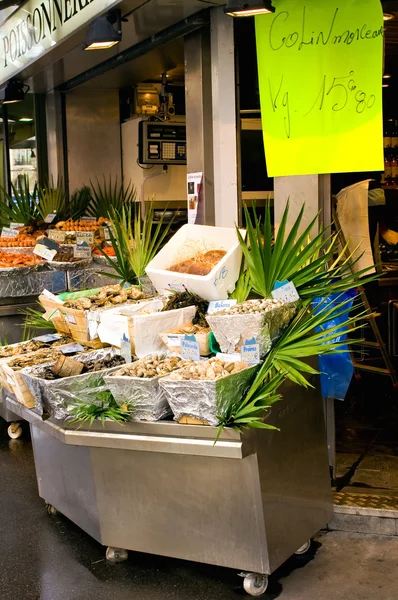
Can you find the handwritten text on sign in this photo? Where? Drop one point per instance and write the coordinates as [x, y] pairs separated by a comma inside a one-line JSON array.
[[320, 75]]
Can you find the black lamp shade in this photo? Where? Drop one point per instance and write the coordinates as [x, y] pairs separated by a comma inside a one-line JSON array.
[[238, 8], [103, 34], [12, 93]]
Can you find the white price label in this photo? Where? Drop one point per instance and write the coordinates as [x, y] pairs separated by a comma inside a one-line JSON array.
[[89, 219], [250, 354], [125, 349], [286, 293], [7, 232], [82, 251], [44, 252], [190, 350], [55, 234], [16, 225], [50, 218], [85, 236], [217, 305], [174, 340]]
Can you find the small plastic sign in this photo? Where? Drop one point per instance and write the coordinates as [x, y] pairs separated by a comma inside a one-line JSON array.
[[85, 236], [50, 218], [190, 348], [48, 338], [46, 249], [82, 250], [286, 292], [250, 352], [217, 305], [16, 225], [125, 349], [71, 348], [57, 235], [8, 232]]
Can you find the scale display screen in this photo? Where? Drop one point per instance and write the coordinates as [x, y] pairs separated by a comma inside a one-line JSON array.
[[162, 143]]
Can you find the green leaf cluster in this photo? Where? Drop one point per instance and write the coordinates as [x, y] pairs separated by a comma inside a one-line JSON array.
[[110, 195], [21, 205], [105, 408]]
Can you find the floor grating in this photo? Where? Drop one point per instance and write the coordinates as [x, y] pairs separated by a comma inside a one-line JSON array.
[[368, 501]]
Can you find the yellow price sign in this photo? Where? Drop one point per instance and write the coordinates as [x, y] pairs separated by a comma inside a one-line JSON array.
[[320, 76]]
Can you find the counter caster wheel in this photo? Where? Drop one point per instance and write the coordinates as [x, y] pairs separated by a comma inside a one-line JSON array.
[[255, 584], [14, 431], [116, 555], [304, 548], [51, 509]]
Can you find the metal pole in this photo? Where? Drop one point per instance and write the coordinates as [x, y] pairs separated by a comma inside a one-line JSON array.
[[7, 166]]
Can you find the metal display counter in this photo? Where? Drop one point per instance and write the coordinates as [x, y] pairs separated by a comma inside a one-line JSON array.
[[248, 503]]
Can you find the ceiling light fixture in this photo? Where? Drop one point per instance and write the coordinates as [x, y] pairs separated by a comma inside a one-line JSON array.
[[237, 8], [104, 32], [13, 92], [25, 120], [385, 85], [388, 16]]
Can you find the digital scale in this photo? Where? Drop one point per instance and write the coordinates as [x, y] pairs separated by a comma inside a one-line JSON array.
[[162, 143]]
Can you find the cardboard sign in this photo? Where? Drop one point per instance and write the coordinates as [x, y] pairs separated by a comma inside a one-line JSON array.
[[320, 73], [55, 234], [8, 232], [85, 236]]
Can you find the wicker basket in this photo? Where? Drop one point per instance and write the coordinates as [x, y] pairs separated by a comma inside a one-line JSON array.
[[14, 383]]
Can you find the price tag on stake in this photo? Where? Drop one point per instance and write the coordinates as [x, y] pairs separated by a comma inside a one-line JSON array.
[[190, 348], [82, 250], [50, 218], [88, 219], [46, 249], [125, 349], [58, 236], [8, 232], [286, 292], [217, 305], [250, 354], [16, 225], [85, 236]]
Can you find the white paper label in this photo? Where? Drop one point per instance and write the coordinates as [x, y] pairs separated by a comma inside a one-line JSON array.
[[176, 287], [16, 225], [190, 350], [125, 349], [70, 318], [286, 293], [85, 236], [55, 234], [174, 340], [50, 218], [71, 348], [52, 296], [88, 219], [7, 232], [228, 357], [217, 305], [81, 251], [250, 354], [48, 337], [44, 252]]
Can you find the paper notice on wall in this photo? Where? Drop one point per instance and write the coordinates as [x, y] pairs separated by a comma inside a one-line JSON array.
[[194, 189], [320, 73]]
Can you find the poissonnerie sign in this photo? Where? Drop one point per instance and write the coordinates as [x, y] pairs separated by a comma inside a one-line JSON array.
[[40, 24]]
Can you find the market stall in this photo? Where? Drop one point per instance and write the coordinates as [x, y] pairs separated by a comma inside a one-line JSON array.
[[162, 408]]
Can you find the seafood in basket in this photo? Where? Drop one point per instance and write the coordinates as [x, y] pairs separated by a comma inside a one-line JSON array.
[[260, 320], [138, 384], [203, 392]]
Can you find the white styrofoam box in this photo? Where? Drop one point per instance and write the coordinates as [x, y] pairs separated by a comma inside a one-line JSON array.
[[142, 329], [185, 244]]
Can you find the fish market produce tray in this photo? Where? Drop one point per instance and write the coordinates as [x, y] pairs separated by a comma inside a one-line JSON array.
[[148, 399], [189, 241], [172, 338], [205, 400], [52, 397]]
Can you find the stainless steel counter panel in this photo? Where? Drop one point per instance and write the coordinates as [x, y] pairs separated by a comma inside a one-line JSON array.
[[86, 279], [249, 502], [32, 284]]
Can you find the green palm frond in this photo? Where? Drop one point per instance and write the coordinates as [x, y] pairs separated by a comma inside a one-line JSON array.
[[243, 285], [110, 194], [52, 199], [79, 203], [21, 205], [309, 262]]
